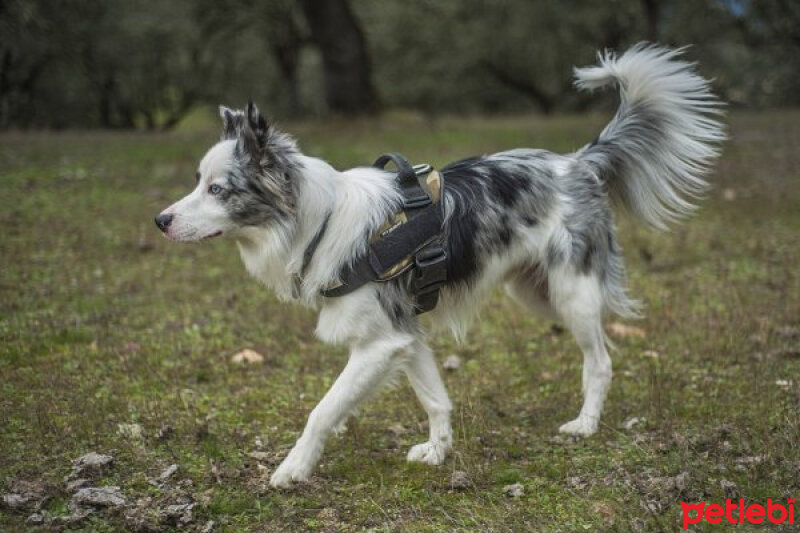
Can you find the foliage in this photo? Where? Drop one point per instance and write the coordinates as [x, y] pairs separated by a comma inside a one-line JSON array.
[[146, 63]]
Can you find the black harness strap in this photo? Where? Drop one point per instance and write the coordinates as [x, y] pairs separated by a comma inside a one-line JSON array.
[[416, 242], [308, 254], [312, 246]]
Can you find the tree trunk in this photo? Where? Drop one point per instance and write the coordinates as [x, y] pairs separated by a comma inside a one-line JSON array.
[[652, 14], [287, 56], [345, 62]]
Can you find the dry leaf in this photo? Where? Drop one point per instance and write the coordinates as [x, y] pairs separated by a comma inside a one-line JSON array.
[[248, 356], [624, 331]]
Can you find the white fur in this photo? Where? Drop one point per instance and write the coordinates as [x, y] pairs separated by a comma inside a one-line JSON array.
[[198, 216], [656, 180]]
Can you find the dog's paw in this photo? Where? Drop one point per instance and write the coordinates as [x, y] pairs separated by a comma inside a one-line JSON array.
[[292, 470], [340, 428], [583, 426], [430, 453]]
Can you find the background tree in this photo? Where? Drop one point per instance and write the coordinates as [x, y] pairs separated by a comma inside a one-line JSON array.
[[146, 64], [345, 61]]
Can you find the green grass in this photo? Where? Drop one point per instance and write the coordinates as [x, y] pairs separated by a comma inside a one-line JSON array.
[[103, 322]]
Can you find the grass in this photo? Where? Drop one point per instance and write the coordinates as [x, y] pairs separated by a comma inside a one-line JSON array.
[[103, 323]]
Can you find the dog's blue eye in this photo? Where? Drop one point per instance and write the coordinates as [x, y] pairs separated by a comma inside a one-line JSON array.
[[215, 189]]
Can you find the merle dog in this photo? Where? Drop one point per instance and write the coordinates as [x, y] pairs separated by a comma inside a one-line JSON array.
[[538, 222]]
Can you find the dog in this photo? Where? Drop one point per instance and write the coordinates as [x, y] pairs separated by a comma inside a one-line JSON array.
[[539, 222]]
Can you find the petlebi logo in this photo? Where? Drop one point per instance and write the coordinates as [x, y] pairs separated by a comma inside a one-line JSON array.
[[738, 512]]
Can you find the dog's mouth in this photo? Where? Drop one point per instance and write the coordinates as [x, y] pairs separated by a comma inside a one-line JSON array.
[[188, 238]]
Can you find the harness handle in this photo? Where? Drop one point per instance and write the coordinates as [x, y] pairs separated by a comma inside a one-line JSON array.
[[404, 171]]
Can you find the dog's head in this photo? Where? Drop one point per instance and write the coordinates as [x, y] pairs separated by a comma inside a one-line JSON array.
[[244, 180]]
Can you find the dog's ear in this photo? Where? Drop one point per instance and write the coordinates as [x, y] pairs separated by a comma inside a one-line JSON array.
[[257, 139], [232, 122], [255, 134]]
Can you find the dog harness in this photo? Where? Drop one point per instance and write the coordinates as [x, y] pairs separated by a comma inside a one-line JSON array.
[[412, 239]]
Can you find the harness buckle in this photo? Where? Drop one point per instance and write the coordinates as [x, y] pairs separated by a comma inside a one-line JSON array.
[[430, 274]]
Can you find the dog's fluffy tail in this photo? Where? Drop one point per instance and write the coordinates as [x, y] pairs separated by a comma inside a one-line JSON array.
[[655, 152]]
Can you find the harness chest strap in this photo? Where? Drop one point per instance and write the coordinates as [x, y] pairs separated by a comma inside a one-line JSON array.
[[411, 238]]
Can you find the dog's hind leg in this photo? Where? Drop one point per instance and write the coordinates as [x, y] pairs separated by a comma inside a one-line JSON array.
[[578, 300], [423, 374], [371, 363]]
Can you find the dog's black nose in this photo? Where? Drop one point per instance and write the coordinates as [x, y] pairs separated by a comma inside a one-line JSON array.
[[163, 221]]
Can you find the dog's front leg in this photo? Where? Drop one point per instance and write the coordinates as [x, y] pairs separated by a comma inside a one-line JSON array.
[[371, 363], [427, 383]]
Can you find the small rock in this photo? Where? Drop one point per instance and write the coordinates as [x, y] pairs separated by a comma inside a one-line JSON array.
[[750, 460], [576, 482], [14, 501], [130, 431], [260, 456], [453, 362], [142, 516], [730, 488], [24, 495], [166, 474], [652, 506], [514, 491], [36, 519], [459, 480], [631, 422], [89, 465], [78, 515], [178, 514], [785, 384], [108, 496], [208, 527], [248, 356], [661, 488], [624, 331]]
